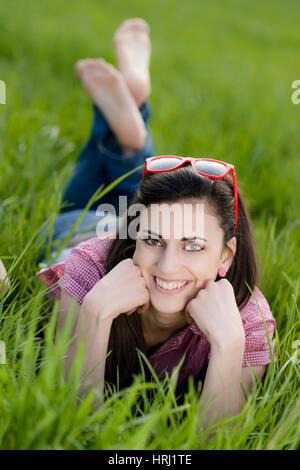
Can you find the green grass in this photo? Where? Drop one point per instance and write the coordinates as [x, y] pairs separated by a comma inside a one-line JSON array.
[[221, 76]]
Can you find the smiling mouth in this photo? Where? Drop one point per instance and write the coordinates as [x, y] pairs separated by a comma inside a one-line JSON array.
[[170, 287]]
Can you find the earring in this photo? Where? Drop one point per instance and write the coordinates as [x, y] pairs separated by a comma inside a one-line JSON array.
[[222, 272]]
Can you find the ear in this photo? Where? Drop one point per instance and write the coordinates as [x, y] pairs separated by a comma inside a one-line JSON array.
[[228, 254]]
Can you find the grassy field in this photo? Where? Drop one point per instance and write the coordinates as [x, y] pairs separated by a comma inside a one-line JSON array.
[[221, 77]]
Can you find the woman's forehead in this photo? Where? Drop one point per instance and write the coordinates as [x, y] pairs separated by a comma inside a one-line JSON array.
[[178, 220]]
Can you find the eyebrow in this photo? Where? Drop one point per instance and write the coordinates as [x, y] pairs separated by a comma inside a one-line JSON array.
[[149, 232]]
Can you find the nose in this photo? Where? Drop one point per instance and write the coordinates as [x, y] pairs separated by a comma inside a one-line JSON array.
[[168, 263]]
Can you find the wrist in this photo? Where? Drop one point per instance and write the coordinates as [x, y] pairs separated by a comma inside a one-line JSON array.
[[94, 309], [234, 346]]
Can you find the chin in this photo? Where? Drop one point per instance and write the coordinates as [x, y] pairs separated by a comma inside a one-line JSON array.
[[168, 307]]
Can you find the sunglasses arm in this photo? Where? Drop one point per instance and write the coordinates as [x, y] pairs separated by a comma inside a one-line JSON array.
[[235, 199]]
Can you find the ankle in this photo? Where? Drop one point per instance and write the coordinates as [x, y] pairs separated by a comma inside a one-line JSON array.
[[129, 150], [140, 89]]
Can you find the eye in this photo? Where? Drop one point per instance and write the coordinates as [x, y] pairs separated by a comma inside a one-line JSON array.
[[152, 242], [193, 247]]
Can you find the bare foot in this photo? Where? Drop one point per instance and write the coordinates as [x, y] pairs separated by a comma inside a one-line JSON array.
[[108, 89], [133, 50]]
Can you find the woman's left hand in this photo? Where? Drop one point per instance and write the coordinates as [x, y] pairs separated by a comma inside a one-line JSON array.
[[216, 314]]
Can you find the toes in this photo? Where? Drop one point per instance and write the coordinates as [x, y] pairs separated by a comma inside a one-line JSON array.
[[84, 65], [79, 65], [106, 68], [134, 24], [96, 69]]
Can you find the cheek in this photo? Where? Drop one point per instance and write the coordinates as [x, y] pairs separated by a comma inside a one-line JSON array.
[[142, 257], [144, 260], [206, 269]]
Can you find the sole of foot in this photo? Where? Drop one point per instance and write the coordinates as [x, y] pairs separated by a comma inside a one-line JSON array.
[[133, 50], [109, 91]]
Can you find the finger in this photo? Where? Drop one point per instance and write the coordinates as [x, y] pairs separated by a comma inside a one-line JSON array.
[[188, 317], [190, 308], [130, 312], [143, 308], [144, 274], [135, 269], [210, 283], [134, 258], [197, 292], [137, 265]]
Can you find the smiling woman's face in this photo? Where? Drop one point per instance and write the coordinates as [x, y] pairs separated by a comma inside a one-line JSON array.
[[177, 264]]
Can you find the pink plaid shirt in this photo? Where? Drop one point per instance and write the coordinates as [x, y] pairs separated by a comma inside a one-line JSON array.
[[84, 266]]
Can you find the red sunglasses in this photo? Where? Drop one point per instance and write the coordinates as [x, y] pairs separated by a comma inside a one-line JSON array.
[[214, 169]]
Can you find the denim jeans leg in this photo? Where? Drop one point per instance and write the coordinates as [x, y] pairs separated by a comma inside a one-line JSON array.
[[101, 162], [93, 224], [88, 175]]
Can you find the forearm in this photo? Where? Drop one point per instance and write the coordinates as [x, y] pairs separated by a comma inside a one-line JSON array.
[[95, 333], [223, 383]]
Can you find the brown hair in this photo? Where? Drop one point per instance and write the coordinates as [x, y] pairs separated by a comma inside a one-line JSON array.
[[126, 332]]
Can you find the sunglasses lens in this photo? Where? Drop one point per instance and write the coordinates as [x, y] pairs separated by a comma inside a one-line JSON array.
[[210, 168], [166, 163]]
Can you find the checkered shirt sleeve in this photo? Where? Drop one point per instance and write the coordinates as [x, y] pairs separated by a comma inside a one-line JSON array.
[[79, 272], [259, 325]]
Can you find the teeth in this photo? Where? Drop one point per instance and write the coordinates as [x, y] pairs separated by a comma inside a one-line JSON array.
[[170, 285]]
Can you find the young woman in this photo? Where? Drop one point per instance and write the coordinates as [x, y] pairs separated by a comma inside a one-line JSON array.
[[167, 295]]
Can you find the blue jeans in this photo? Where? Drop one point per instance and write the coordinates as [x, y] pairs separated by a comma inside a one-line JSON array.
[[100, 163]]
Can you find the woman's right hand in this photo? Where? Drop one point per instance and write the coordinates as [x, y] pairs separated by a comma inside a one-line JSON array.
[[122, 290]]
